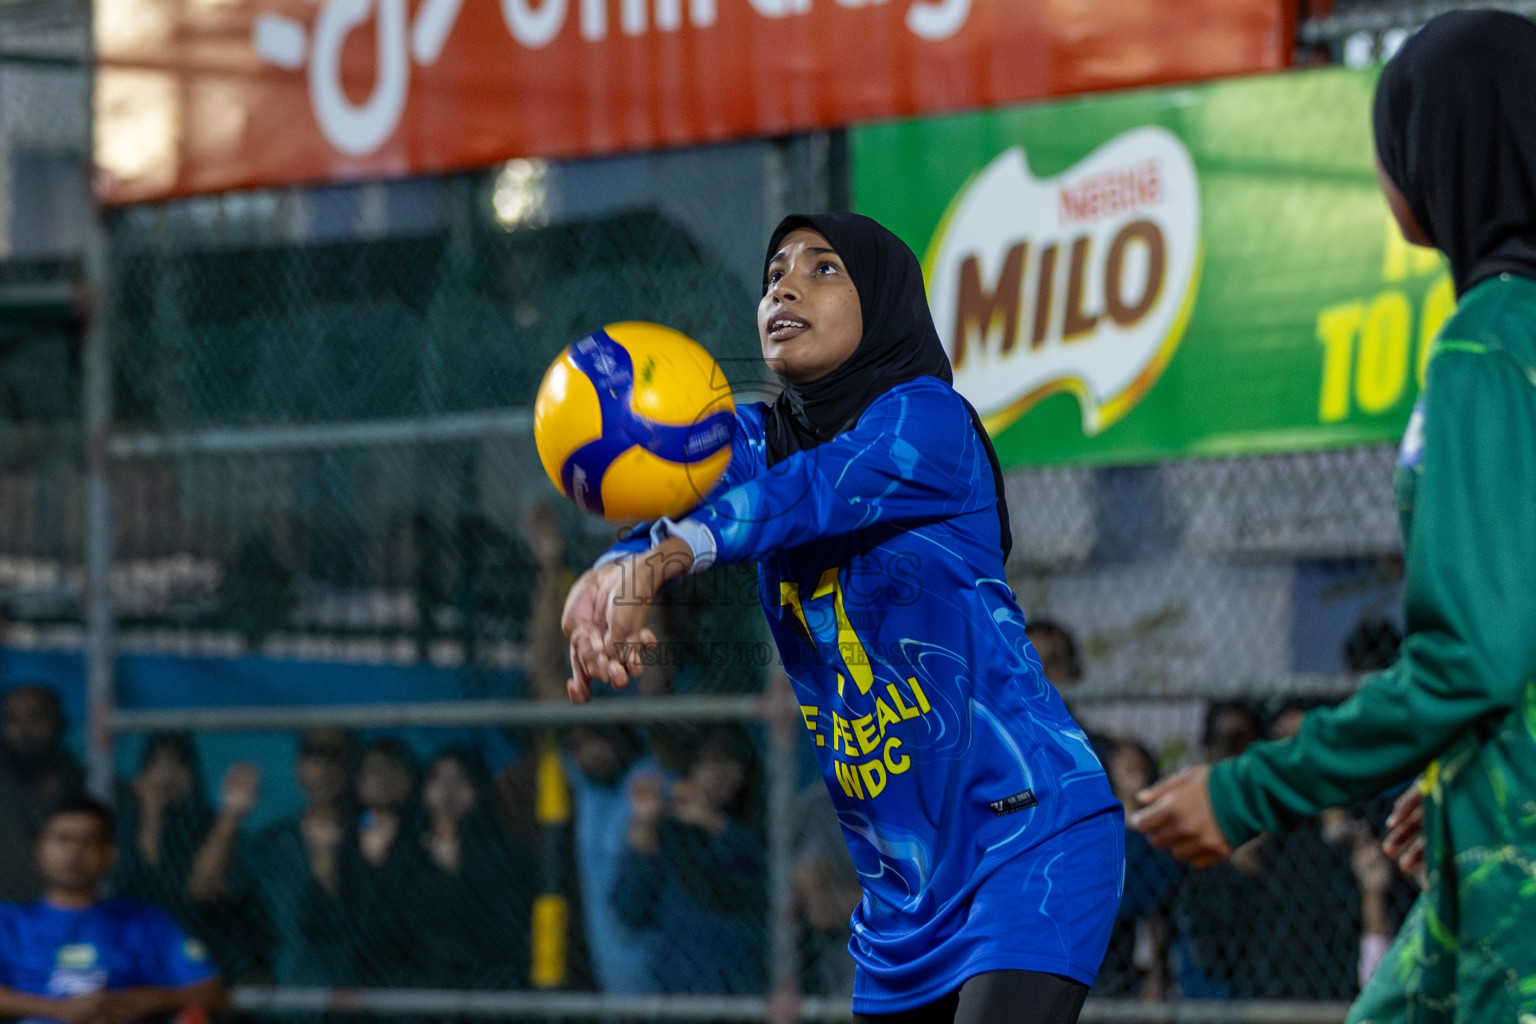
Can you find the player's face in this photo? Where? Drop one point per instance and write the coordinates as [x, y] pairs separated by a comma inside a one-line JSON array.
[[74, 853], [809, 320]]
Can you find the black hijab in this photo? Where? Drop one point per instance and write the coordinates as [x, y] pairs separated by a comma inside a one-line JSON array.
[[1455, 125], [899, 344]]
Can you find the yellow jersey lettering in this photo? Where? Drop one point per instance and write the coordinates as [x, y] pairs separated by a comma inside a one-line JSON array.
[[901, 705], [864, 732], [917, 691], [849, 647], [896, 765], [848, 778], [809, 713], [884, 714], [848, 643], [840, 733], [874, 777], [789, 594]]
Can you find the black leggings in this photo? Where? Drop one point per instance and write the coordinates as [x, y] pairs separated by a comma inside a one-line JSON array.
[[997, 997]]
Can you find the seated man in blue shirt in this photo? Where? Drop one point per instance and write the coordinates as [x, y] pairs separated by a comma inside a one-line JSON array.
[[75, 957]]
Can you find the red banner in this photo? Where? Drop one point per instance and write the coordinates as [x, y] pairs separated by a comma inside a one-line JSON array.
[[199, 96]]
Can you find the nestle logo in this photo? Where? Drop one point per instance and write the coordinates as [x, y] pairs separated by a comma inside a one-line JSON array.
[[1009, 804]]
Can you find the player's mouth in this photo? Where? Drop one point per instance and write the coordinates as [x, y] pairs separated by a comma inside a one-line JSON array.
[[782, 328]]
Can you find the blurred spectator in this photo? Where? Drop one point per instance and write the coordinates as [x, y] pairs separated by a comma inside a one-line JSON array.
[[1214, 909], [1137, 960], [692, 871], [472, 903], [1306, 945], [606, 761], [548, 666], [36, 772], [1385, 895], [533, 790], [826, 892], [383, 869], [73, 956], [671, 743], [176, 853], [1345, 934], [1377, 877], [1057, 650], [1231, 726], [298, 864]]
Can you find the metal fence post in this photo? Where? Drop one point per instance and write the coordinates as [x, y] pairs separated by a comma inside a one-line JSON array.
[[97, 402], [783, 776]]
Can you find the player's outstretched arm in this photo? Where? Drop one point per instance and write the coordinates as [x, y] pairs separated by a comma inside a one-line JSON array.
[[1177, 816], [606, 613], [913, 457], [1471, 645]]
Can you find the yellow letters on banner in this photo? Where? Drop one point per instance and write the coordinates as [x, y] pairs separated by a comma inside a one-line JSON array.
[[1368, 343]]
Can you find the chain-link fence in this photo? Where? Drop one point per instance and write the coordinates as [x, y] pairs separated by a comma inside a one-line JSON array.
[[328, 440], [344, 760]]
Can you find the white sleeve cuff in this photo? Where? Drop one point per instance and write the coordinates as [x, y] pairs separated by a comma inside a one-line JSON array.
[[693, 533]]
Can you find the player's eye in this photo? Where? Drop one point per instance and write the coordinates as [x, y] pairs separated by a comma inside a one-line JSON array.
[[826, 267], [774, 276]]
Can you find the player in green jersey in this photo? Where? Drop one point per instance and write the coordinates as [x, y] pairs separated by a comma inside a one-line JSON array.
[[1455, 125]]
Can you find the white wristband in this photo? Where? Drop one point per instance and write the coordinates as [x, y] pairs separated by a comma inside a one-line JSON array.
[[693, 533]]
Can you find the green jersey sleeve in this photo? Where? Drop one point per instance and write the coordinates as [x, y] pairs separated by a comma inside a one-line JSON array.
[[1470, 556]]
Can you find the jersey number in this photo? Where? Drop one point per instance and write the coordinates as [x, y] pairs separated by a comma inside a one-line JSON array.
[[850, 649]]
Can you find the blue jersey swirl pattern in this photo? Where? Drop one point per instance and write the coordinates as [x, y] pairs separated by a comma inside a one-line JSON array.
[[981, 823]]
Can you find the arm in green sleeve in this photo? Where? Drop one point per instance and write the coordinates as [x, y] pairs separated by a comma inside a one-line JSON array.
[[1470, 604]]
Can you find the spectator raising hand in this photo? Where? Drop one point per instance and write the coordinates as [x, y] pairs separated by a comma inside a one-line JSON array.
[[691, 874], [209, 879], [179, 853], [647, 804]]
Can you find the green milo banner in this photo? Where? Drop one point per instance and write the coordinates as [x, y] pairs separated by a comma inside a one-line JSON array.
[[1207, 270]]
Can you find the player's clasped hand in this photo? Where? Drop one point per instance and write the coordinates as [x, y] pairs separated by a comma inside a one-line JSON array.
[[1177, 816], [1405, 834], [605, 622]]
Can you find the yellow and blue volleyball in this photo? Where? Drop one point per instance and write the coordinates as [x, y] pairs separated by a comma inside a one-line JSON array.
[[634, 421]]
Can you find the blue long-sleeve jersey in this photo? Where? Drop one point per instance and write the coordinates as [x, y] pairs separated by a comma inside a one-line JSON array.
[[981, 823]]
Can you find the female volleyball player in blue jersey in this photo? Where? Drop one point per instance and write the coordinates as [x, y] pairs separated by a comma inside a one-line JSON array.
[[988, 842]]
